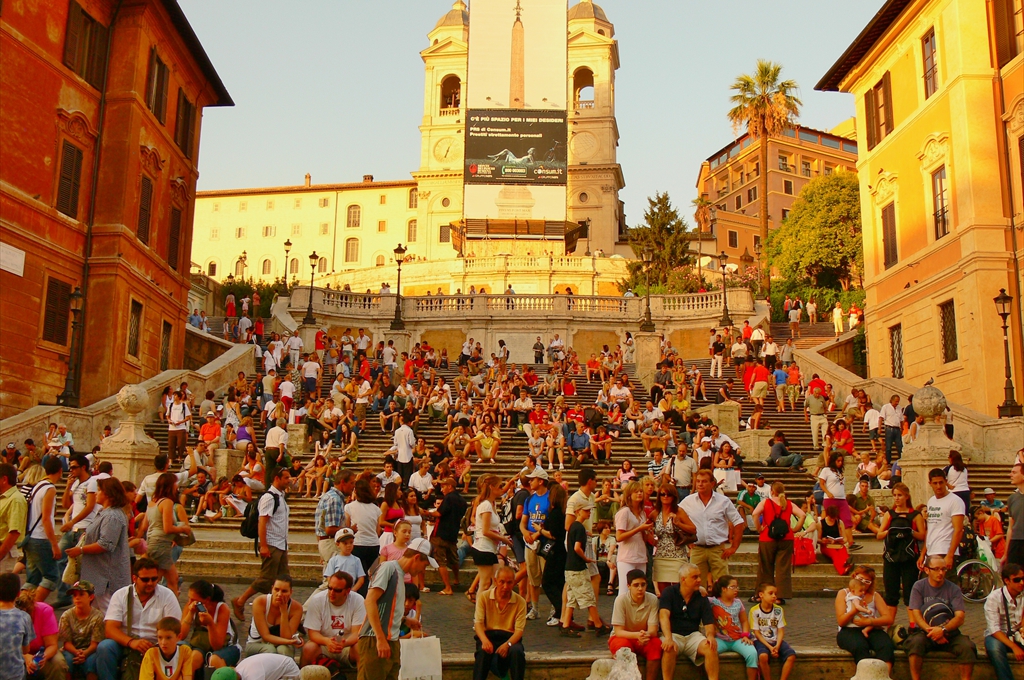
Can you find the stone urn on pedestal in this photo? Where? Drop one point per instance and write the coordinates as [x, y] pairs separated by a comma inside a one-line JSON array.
[[931, 448], [130, 450]]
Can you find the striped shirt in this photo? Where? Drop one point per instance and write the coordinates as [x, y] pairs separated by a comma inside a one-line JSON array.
[[330, 512], [389, 578], [277, 524]]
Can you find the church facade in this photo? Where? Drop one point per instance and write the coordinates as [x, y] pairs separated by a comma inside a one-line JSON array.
[[355, 227]]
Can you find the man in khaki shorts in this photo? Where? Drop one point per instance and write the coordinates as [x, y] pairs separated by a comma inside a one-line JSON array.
[[681, 612], [535, 511], [717, 522]]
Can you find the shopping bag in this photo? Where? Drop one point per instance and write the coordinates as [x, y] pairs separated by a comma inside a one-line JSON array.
[[421, 659]]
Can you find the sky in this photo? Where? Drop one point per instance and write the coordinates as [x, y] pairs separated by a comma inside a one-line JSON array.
[[335, 87]]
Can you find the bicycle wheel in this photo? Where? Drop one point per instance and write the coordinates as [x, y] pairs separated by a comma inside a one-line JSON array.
[[976, 580]]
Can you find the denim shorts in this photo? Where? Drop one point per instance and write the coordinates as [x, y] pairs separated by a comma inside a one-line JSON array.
[[40, 567]]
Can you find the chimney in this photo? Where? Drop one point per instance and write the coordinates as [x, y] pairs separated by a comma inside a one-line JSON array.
[[309, 178], [367, 178]]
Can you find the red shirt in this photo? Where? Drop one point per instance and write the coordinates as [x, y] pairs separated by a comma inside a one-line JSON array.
[[320, 341], [530, 378], [568, 388], [574, 415], [747, 332], [760, 373], [817, 382]]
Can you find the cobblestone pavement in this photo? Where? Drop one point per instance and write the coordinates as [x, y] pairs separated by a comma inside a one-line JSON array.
[[811, 623]]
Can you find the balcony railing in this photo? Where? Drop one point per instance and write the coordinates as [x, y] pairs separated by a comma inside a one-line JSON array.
[[584, 104], [449, 112]]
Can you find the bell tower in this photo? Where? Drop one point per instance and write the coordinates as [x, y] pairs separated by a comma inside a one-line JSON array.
[[595, 176]]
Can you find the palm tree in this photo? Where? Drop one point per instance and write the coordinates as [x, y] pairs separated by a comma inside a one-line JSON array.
[[702, 216], [766, 105]]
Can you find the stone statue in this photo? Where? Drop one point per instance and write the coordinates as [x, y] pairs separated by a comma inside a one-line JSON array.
[[134, 401]]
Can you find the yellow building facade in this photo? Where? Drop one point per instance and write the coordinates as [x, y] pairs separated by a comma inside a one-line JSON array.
[[939, 88], [730, 178], [355, 227]]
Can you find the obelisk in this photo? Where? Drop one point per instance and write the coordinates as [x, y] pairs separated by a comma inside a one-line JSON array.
[[517, 81]]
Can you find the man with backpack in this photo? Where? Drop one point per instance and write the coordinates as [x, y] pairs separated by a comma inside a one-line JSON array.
[[271, 535], [13, 513], [42, 547]]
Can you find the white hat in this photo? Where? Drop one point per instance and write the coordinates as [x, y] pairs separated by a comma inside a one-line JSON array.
[[343, 533], [211, 414], [538, 472], [988, 490], [422, 545], [871, 669]]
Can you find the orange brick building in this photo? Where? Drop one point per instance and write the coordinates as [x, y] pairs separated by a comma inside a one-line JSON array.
[[99, 140]]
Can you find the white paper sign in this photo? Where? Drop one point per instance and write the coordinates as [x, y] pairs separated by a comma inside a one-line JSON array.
[[12, 259]]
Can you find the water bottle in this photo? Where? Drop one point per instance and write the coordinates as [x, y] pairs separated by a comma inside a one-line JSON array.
[[38, 659]]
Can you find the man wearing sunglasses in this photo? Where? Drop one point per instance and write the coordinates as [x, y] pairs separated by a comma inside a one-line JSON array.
[[936, 613], [1004, 622], [149, 604], [332, 622], [1015, 509]]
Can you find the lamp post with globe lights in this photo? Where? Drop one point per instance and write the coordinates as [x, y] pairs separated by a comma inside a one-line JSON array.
[[726, 320], [287, 249], [309, 319], [1009, 408], [647, 325], [397, 324]]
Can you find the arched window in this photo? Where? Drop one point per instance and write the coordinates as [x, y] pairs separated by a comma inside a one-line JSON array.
[[355, 216], [293, 267], [352, 250], [239, 268], [266, 267], [414, 199], [211, 269], [411, 232], [583, 88], [380, 261], [451, 95], [321, 266]]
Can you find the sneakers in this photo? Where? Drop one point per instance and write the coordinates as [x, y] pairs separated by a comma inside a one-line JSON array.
[[553, 621], [531, 613], [551, 614]]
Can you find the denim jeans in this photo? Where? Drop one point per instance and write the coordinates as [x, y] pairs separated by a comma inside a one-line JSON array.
[[792, 460], [893, 439], [999, 655], [63, 460], [88, 667], [108, 658]]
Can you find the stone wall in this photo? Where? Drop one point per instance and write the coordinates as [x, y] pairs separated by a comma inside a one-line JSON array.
[[202, 348]]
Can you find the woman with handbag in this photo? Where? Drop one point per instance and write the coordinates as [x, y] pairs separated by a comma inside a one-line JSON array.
[[631, 523], [160, 528], [775, 544], [552, 548], [106, 555], [901, 528], [673, 530]]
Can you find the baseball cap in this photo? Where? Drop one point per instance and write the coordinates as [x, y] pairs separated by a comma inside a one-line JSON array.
[[224, 674], [83, 587], [211, 414], [343, 533], [585, 504], [760, 476], [11, 445], [986, 492], [422, 545], [537, 472]]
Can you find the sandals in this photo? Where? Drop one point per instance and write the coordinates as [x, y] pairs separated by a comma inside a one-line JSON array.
[[471, 597]]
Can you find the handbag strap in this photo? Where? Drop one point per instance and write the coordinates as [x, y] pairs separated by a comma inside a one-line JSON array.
[[128, 608]]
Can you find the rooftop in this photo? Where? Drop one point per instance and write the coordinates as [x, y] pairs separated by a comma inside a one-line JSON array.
[[876, 28]]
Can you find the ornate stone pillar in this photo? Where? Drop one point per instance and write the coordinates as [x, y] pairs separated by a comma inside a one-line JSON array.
[[646, 355], [930, 449], [130, 450]]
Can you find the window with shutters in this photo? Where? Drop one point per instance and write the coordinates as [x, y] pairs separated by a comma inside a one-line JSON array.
[[270, 205], [947, 329], [383, 199], [414, 199], [734, 239], [380, 261], [931, 72], [243, 206], [165, 346], [324, 202], [1008, 30], [239, 232], [134, 328], [352, 250], [145, 209], [293, 266], [940, 199], [445, 234], [751, 194], [325, 228], [410, 232], [896, 350], [382, 226], [70, 179], [296, 229], [785, 213], [298, 203], [57, 313], [85, 45], [239, 268], [269, 231], [216, 207], [878, 111], [353, 217], [214, 233], [787, 187], [890, 254], [739, 202], [211, 269], [266, 267], [174, 239], [156, 86], [184, 127], [321, 265]]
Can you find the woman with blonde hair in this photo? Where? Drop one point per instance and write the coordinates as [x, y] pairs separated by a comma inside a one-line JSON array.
[[631, 523], [487, 531], [775, 544]]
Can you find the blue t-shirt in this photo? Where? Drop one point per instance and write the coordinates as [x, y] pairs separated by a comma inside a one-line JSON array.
[[536, 509], [16, 632], [347, 563], [780, 376]]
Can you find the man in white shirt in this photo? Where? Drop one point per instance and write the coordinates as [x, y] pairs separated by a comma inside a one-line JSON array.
[[362, 341], [294, 347], [347, 343], [891, 422], [717, 521], [620, 394], [244, 324], [79, 502], [389, 355], [945, 516], [332, 621], [363, 402], [1004, 610], [287, 390], [404, 442], [770, 350], [275, 451], [273, 539], [556, 348], [260, 667], [150, 604], [872, 418]]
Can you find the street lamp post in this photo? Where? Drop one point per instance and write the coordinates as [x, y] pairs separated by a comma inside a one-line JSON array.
[[69, 397], [242, 260], [758, 249], [647, 325], [397, 324], [1009, 408], [287, 249], [309, 319], [726, 319]]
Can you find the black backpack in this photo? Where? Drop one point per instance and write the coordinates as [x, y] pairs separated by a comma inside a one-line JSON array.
[[778, 528], [250, 527], [900, 544]]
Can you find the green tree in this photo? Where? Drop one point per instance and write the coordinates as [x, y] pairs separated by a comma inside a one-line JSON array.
[[664, 234], [820, 242], [766, 106]]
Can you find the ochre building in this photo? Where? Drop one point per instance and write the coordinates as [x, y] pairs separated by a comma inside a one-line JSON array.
[[101, 108], [939, 89]]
